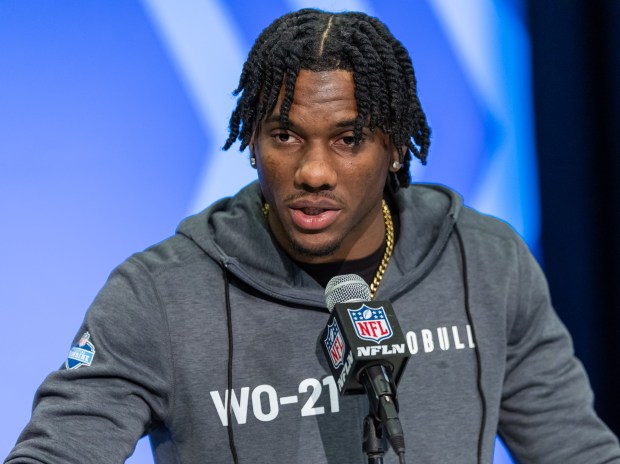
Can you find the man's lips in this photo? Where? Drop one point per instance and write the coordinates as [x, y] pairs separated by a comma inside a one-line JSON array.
[[313, 215]]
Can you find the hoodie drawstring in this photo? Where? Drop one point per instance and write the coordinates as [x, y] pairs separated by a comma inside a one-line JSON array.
[[473, 331], [231, 437]]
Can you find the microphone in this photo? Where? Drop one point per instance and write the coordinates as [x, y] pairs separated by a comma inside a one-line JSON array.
[[366, 350]]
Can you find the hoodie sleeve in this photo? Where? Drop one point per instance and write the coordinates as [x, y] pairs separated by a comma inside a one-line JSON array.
[[116, 383], [547, 412]]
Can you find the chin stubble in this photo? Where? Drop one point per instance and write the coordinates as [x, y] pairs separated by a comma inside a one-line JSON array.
[[320, 252]]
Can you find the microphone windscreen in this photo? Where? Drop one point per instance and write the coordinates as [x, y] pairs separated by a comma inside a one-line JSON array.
[[344, 289]]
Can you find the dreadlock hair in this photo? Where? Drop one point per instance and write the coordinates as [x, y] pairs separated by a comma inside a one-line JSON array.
[[315, 40]]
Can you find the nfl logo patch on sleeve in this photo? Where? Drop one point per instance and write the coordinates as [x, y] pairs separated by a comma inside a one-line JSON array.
[[81, 354]]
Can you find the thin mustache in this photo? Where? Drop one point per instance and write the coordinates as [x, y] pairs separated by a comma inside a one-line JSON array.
[[323, 194]]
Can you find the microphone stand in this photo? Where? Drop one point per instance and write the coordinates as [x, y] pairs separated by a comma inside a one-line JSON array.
[[374, 443], [382, 422]]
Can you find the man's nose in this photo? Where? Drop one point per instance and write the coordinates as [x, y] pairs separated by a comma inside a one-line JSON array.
[[316, 169]]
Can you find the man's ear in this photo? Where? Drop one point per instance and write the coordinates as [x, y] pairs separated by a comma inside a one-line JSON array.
[[252, 151], [251, 144]]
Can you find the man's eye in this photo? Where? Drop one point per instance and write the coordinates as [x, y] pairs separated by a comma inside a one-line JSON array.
[[283, 137], [348, 140]]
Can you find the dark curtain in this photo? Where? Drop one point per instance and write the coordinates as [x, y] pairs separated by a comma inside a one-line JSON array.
[[576, 78]]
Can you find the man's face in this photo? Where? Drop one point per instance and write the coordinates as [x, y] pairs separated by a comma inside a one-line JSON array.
[[325, 193]]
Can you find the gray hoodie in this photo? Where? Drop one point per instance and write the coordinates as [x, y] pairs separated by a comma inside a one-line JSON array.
[[220, 305]]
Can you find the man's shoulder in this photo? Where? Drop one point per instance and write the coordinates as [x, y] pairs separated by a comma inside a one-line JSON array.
[[481, 223], [170, 255], [440, 199], [196, 237]]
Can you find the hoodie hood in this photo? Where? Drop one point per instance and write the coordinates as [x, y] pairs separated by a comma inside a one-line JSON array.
[[234, 232]]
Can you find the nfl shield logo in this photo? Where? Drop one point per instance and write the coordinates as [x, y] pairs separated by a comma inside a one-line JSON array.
[[371, 323], [81, 354], [334, 344]]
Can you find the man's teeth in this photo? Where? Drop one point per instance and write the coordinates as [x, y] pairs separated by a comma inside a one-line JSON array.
[[312, 211]]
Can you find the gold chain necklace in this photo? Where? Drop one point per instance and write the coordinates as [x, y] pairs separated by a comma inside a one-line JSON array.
[[387, 254], [389, 246]]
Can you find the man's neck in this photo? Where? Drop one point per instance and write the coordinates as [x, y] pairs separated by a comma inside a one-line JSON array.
[[364, 267]]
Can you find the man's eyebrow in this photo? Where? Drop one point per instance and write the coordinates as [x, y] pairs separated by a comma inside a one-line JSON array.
[[272, 118], [275, 118], [346, 123]]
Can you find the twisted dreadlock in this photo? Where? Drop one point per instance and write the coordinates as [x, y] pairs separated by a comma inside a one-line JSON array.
[[385, 83]]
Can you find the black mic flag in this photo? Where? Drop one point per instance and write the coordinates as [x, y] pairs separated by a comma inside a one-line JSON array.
[[360, 333]]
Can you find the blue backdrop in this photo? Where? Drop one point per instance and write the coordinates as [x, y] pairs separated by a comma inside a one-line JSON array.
[[114, 112]]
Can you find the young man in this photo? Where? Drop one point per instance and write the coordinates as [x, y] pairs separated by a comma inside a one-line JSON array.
[[209, 341]]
